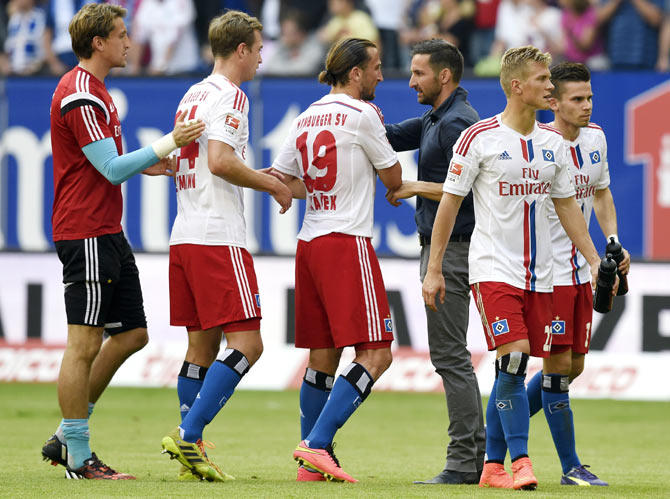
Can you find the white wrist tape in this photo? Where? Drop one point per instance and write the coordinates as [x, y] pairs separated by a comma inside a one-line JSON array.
[[164, 146]]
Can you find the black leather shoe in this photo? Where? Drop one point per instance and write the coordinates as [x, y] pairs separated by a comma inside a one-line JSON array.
[[449, 477]]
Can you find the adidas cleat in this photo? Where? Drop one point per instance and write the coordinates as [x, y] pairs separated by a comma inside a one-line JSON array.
[[190, 455], [322, 460], [204, 443], [309, 475], [186, 475], [55, 451], [579, 475], [523, 474], [94, 469]]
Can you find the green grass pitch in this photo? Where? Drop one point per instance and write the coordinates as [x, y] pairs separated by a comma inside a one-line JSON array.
[[393, 439]]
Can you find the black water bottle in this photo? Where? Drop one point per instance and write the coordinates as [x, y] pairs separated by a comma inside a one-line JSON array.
[[602, 299], [615, 249]]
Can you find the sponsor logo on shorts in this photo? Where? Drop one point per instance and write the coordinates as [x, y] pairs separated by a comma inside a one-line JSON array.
[[258, 300], [557, 327], [500, 327], [388, 325]]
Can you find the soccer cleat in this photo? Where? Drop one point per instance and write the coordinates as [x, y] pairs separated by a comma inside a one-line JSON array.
[[190, 455], [94, 469], [523, 474], [322, 460], [495, 476], [55, 451], [579, 475], [205, 443], [186, 475], [309, 475]]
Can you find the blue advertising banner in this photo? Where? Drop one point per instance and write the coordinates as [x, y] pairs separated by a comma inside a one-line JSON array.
[[633, 109]]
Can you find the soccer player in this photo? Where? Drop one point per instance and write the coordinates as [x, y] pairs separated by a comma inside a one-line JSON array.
[[213, 289], [514, 166], [437, 67], [102, 287], [332, 156], [572, 105]]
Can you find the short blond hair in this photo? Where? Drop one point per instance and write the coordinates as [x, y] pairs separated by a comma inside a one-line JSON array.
[[93, 19], [227, 31], [515, 64]]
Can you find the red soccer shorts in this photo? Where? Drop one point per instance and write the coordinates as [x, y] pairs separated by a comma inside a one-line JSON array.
[[509, 314], [571, 322], [340, 298], [213, 286]]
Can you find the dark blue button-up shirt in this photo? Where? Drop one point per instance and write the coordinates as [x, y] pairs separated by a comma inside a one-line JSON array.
[[435, 134]]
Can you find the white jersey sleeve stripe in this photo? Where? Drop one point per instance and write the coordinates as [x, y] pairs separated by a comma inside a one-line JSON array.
[[94, 121], [472, 132]]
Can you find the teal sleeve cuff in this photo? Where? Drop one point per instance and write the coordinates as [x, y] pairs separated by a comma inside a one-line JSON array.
[[117, 169]]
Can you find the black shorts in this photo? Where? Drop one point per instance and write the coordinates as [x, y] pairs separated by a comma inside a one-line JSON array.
[[102, 284]]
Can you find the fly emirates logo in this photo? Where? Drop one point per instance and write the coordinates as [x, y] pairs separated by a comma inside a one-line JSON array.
[[531, 184]]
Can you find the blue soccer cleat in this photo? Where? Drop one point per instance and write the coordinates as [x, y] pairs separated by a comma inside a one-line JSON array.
[[579, 475]]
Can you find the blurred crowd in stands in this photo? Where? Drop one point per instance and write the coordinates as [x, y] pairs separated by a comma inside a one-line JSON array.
[[170, 36]]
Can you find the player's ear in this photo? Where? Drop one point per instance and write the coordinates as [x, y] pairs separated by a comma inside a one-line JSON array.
[[515, 86], [553, 103]]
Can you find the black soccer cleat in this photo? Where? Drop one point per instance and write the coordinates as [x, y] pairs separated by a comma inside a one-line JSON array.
[[55, 451], [94, 469]]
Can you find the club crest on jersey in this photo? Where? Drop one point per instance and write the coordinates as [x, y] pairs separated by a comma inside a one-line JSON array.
[[557, 327], [548, 154], [388, 325], [257, 297], [504, 155], [595, 157], [232, 124], [500, 327], [455, 171]]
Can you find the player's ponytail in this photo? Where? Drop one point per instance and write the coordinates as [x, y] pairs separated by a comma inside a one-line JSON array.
[[342, 57]]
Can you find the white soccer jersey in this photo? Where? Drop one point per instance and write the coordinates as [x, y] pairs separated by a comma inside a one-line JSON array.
[[211, 210], [335, 146], [512, 178], [589, 172]]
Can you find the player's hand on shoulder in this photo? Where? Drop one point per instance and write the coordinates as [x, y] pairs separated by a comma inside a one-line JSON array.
[[166, 166], [186, 131]]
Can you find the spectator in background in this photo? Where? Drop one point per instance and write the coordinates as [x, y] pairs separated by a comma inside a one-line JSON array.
[[25, 32], [167, 28], [3, 22], [387, 16], [298, 53], [633, 32], [347, 22], [57, 42], [481, 40], [205, 11], [582, 40], [663, 63], [315, 11]]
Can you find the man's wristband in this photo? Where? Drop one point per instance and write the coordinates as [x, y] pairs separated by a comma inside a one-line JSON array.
[[164, 146]]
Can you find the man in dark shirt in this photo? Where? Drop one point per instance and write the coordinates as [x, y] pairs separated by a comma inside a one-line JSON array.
[[437, 67]]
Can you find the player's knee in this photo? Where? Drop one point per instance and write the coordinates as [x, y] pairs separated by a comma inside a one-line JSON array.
[[515, 363], [576, 370], [136, 340]]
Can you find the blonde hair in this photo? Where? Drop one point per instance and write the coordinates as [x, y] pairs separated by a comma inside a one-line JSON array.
[[515, 64], [227, 31], [93, 19]]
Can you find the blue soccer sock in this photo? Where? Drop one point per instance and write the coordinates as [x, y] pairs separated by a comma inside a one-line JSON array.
[[314, 392], [59, 431], [77, 438], [496, 447], [534, 392], [219, 384], [512, 402], [349, 391], [556, 405], [189, 383]]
